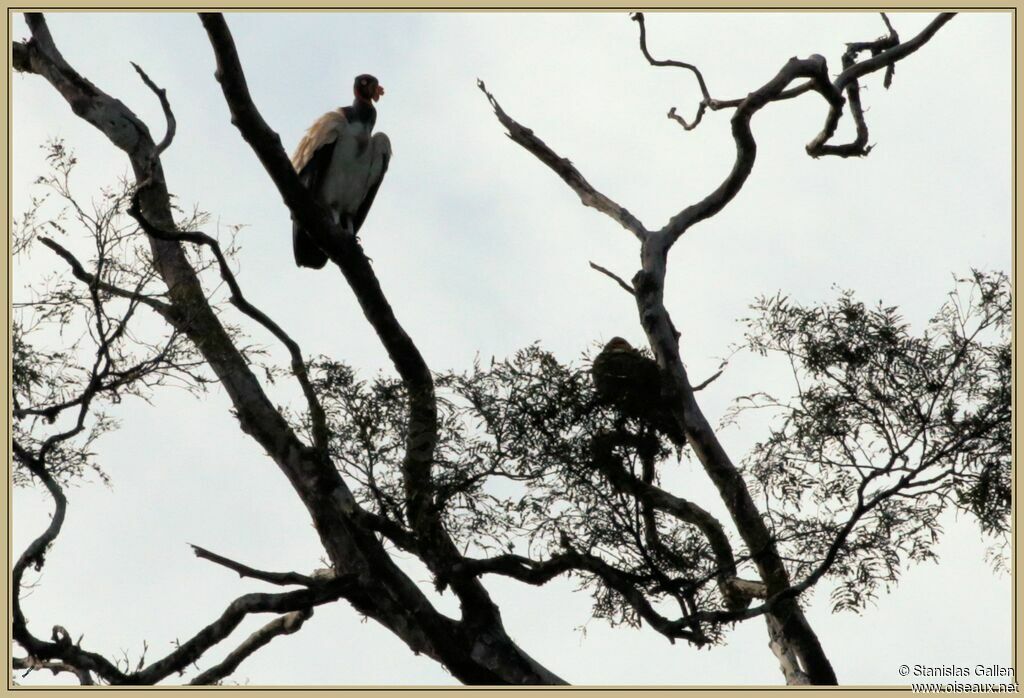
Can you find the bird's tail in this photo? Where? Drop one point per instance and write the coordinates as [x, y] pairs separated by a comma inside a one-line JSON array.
[[307, 254]]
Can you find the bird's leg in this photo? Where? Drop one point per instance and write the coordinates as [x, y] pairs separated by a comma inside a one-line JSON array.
[[348, 225], [350, 228]]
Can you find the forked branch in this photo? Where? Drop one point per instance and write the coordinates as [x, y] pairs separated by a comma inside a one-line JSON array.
[[282, 625]]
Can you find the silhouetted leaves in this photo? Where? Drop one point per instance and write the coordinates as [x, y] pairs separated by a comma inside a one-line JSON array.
[[888, 429]]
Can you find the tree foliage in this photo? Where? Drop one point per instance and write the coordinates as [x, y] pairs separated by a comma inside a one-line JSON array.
[[887, 430]]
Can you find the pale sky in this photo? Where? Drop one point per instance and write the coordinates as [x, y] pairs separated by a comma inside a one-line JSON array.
[[482, 250]]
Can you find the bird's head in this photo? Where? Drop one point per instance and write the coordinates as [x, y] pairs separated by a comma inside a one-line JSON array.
[[618, 344], [367, 88]]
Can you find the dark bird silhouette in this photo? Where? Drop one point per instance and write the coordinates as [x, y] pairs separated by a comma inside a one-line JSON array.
[[342, 164], [631, 382]]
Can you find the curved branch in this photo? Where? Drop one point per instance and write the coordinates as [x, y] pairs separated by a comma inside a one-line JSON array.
[[687, 125], [61, 649], [161, 94], [687, 512], [282, 625], [858, 147], [625, 584], [187, 652], [813, 68], [707, 101]]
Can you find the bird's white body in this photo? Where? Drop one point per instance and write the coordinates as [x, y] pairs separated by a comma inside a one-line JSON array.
[[355, 165], [343, 165]]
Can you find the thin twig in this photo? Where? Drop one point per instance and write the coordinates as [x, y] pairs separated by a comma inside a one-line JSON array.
[[79, 272], [709, 381], [706, 102], [628, 288], [316, 411]]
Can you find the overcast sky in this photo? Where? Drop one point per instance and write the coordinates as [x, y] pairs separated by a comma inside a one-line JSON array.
[[482, 250]]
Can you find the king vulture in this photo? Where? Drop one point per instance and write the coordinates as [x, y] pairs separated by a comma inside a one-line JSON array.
[[343, 165], [631, 382]]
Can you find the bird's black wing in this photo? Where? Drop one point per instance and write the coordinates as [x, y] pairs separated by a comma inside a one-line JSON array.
[[307, 253], [382, 148]]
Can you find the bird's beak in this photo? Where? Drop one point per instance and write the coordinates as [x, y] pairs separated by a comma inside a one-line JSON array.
[[379, 93]]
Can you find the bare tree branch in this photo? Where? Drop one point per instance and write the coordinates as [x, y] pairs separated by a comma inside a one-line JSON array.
[[286, 602], [421, 434], [30, 664], [539, 572], [161, 94], [813, 68], [715, 376], [706, 102], [281, 578], [565, 169], [61, 648], [896, 53], [877, 46], [282, 625], [611, 275], [81, 274]]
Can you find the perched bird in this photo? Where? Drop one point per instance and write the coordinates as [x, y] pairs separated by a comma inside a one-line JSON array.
[[342, 164], [631, 382]]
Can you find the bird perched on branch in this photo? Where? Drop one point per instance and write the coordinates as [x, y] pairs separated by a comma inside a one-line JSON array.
[[342, 164], [631, 382]]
